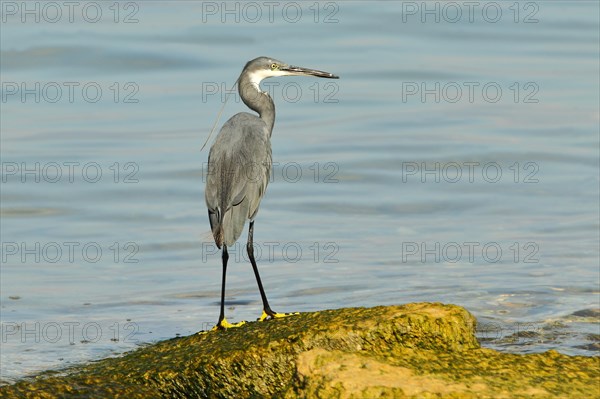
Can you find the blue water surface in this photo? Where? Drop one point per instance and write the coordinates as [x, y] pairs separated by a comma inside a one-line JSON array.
[[455, 160]]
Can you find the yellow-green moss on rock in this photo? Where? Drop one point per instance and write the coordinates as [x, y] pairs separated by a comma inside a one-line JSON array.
[[423, 350]]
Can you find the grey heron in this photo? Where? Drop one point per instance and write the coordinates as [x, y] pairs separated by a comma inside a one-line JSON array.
[[239, 166]]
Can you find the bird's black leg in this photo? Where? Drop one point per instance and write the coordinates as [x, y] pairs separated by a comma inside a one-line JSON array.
[[250, 249], [223, 323], [224, 258], [267, 311]]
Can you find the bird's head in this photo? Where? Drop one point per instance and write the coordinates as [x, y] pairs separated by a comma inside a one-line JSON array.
[[264, 67]]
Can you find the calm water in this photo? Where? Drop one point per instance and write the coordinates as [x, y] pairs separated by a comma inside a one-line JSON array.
[[455, 161]]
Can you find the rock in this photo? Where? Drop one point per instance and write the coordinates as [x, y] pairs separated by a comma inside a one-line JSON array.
[[588, 313], [423, 350]]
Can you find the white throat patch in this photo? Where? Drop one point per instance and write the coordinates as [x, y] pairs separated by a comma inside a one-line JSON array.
[[258, 76]]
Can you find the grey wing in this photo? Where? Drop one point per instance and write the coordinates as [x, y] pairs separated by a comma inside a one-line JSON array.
[[239, 166]]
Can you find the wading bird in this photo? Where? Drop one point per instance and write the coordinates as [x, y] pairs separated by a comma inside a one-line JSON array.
[[239, 166]]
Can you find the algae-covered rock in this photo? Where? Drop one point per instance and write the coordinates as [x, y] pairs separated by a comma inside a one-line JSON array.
[[413, 351]]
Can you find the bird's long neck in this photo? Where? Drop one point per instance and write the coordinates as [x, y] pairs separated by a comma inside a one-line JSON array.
[[257, 100]]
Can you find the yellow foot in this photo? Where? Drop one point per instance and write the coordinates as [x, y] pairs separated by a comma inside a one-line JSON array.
[[224, 325], [275, 315]]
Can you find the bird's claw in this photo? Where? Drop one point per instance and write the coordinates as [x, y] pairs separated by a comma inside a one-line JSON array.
[[274, 315], [266, 315], [224, 325]]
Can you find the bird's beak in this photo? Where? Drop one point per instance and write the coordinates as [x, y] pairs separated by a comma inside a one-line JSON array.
[[294, 70]]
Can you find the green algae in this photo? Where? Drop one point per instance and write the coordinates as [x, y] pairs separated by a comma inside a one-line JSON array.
[[413, 351]]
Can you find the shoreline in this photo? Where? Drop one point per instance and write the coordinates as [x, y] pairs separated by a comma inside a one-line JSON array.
[[403, 351]]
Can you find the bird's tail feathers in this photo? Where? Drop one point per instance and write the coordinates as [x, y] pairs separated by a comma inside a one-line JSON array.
[[216, 225]]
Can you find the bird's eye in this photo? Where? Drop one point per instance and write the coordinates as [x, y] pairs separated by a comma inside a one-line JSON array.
[[274, 66]]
